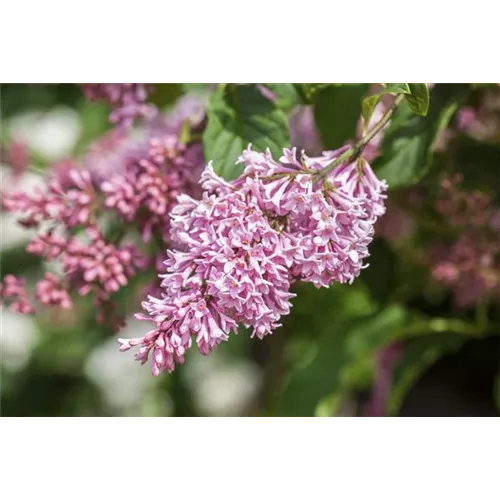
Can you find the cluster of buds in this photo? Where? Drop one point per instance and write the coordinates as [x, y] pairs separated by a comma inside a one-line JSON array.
[[122, 189], [13, 292], [128, 101]]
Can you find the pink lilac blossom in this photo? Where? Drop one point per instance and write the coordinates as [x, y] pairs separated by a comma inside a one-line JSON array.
[[90, 265], [481, 122], [470, 266], [246, 241], [71, 205], [51, 291], [94, 266], [118, 149], [461, 207], [61, 170], [135, 175], [17, 156], [147, 190], [13, 290], [189, 109], [128, 101], [466, 117], [110, 154]]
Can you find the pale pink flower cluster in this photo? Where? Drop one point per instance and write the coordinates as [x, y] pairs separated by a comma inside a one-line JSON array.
[[128, 101], [13, 291], [482, 122], [189, 109], [50, 291], [70, 204], [114, 152], [111, 153], [246, 241], [16, 155], [147, 188], [470, 268], [470, 265], [127, 183], [90, 265]]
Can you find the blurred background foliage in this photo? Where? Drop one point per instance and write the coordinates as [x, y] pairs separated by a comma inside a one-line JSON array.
[[328, 358]]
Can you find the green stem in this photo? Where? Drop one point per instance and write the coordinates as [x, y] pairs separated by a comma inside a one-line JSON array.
[[482, 314], [354, 151], [442, 325]]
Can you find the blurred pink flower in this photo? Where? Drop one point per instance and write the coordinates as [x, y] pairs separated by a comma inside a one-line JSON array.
[[128, 101], [470, 266], [51, 291], [13, 290]]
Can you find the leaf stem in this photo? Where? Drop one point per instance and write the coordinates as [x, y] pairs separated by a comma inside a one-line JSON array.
[[354, 151], [442, 325]]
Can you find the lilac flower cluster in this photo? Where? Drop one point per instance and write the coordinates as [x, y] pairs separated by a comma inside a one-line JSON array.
[[234, 248], [124, 187], [147, 189], [13, 290], [482, 122], [470, 266], [50, 291], [244, 243], [16, 155], [127, 99]]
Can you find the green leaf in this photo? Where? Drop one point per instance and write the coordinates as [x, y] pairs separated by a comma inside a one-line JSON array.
[[358, 374], [381, 276], [410, 139], [341, 359], [165, 94], [370, 103], [337, 111], [480, 85], [197, 88], [16, 260], [95, 123], [237, 116], [419, 98], [310, 89], [468, 155], [419, 354], [287, 95], [339, 346]]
